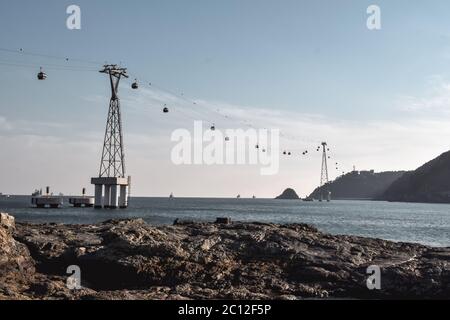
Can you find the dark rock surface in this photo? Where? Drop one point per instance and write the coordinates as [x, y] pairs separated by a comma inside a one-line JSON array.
[[130, 259], [429, 183], [288, 194]]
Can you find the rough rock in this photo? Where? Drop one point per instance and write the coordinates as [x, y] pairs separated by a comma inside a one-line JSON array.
[[7, 221], [130, 259], [16, 265]]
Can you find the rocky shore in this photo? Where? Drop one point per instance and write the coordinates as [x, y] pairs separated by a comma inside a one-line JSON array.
[[130, 259]]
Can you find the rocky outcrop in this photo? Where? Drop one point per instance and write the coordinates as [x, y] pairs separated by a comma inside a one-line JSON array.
[[288, 194], [16, 265], [130, 259]]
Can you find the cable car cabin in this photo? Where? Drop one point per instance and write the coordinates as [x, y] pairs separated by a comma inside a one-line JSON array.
[[289, 153], [227, 138], [166, 110], [135, 85], [285, 153], [41, 75], [257, 146], [213, 128]]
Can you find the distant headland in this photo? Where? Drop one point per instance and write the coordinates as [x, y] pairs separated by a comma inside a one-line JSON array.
[[429, 183], [358, 185]]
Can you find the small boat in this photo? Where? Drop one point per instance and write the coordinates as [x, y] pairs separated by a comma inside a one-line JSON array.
[[171, 196], [254, 197], [308, 199], [238, 196]]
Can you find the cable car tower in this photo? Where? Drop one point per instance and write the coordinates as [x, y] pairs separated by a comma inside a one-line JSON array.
[[324, 173], [111, 186]]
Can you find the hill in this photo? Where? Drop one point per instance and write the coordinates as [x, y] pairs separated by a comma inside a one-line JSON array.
[[288, 194], [429, 183], [359, 185]]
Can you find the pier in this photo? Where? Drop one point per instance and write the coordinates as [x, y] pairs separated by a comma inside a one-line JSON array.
[[82, 201], [46, 201]]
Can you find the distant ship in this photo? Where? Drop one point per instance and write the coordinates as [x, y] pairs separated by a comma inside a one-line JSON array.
[[308, 199], [254, 197], [37, 193], [171, 196], [238, 196], [4, 195]]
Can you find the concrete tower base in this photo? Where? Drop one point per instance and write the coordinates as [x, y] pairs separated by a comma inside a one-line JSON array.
[[110, 193]]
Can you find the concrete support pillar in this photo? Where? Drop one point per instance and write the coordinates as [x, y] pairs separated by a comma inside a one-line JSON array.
[[114, 203], [123, 200], [107, 197], [98, 204], [113, 197]]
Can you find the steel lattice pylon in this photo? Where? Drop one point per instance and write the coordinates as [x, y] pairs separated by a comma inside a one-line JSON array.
[[324, 173], [113, 156]]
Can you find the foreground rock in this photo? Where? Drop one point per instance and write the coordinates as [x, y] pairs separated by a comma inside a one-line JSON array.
[[133, 260], [16, 265]]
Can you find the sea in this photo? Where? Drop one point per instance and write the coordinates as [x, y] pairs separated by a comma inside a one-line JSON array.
[[427, 224]]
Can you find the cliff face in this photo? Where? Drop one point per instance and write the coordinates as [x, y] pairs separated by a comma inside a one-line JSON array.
[[132, 260], [288, 194], [429, 183], [359, 185]]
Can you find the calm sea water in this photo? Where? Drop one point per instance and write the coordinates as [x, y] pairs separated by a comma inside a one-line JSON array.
[[420, 223]]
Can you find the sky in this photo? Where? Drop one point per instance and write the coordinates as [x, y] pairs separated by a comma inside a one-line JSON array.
[[380, 98]]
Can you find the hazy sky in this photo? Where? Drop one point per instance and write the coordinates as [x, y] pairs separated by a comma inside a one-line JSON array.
[[381, 99]]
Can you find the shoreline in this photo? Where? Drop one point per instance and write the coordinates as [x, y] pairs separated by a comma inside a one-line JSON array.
[[129, 259]]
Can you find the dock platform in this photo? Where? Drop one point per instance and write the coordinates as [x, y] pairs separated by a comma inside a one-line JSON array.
[[52, 202], [82, 202]]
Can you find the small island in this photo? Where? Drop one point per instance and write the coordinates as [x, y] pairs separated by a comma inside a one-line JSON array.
[[288, 194]]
